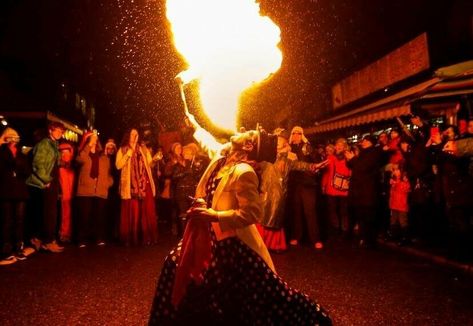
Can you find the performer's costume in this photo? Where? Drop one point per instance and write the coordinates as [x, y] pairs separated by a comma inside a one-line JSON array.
[[222, 274]]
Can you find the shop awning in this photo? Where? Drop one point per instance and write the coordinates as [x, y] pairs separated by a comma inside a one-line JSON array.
[[379, 114], [448, 81]]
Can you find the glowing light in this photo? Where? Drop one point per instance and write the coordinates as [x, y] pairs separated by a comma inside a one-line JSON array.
[[228, 46]]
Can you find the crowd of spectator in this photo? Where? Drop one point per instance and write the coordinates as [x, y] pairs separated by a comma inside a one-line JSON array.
[[401, 185], [59, 193]]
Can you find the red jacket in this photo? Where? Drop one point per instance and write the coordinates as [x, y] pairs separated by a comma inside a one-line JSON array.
[[336, 178], [396, 156], [398, 198]]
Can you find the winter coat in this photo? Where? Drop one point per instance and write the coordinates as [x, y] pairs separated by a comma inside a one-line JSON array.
[[93, 187], [274, 179], [336, 177], [398, 195], [123, 163], [13, 173], [365, 183], [45, 160], [304, 153]]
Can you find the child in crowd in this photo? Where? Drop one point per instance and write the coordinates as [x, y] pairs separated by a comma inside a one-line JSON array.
[[398, 204]]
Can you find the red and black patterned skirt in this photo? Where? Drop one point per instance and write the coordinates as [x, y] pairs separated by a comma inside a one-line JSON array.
[[238, 289]]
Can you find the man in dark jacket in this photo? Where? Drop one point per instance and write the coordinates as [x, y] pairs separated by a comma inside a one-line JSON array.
[[44, 189], [365, 187]]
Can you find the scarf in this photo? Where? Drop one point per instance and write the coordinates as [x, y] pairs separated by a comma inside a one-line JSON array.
[[94, 169], [138, 175], [196, 249]]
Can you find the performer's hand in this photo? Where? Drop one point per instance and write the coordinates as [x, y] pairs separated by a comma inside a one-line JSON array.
[[201, 213]]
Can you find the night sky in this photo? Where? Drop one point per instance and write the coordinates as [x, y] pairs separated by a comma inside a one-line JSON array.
[[119, 53]]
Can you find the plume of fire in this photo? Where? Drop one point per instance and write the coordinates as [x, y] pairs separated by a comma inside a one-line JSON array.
[[228, 47]]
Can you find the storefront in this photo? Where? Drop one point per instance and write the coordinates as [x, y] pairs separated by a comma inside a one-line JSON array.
[[445, 96], [32, 125]]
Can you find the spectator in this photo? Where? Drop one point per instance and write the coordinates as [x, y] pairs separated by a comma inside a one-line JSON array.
[[398, 204], [394, 147], [329, 150], [137, 190], [44, 189], [94, 181], [274, 189], [185, 180], [457, 189], [67, 184], [335, 185], [302, 192], [365, 187], [173, 171], [113, 201], [383, 139], [14, 169]]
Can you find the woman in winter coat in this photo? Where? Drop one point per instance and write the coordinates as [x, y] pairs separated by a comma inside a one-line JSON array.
[[137, 191], [94, 180]]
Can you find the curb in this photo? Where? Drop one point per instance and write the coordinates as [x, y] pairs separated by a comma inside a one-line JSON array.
[[440, 260]]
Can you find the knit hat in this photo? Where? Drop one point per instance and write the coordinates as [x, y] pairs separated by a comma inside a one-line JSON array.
[[9, 135]]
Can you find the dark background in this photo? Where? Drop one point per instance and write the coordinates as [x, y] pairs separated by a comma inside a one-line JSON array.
[[118, 54]]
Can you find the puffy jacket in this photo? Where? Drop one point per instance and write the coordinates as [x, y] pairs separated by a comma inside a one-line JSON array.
[[45, 159]]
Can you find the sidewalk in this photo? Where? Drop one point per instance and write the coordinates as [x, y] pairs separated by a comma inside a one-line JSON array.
[[430, 256]]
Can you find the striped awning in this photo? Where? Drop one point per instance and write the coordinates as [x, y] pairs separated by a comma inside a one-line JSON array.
[[361, 118]]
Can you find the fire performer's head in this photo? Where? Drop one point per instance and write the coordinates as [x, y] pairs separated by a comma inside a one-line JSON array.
[[253, 145]]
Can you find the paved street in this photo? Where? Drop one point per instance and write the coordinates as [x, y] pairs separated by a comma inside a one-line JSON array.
[[114, 286]]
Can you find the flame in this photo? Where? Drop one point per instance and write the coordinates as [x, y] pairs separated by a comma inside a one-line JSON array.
[[228, 47]]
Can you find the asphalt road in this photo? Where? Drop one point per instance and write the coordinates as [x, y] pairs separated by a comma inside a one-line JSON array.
[[114, 285]]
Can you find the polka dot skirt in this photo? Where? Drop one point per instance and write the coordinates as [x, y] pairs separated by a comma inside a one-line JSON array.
[[238, 289]]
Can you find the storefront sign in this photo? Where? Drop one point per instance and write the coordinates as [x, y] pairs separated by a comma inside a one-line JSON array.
[[406, 61]]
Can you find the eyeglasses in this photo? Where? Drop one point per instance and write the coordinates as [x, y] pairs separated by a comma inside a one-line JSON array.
[[297, 133]]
